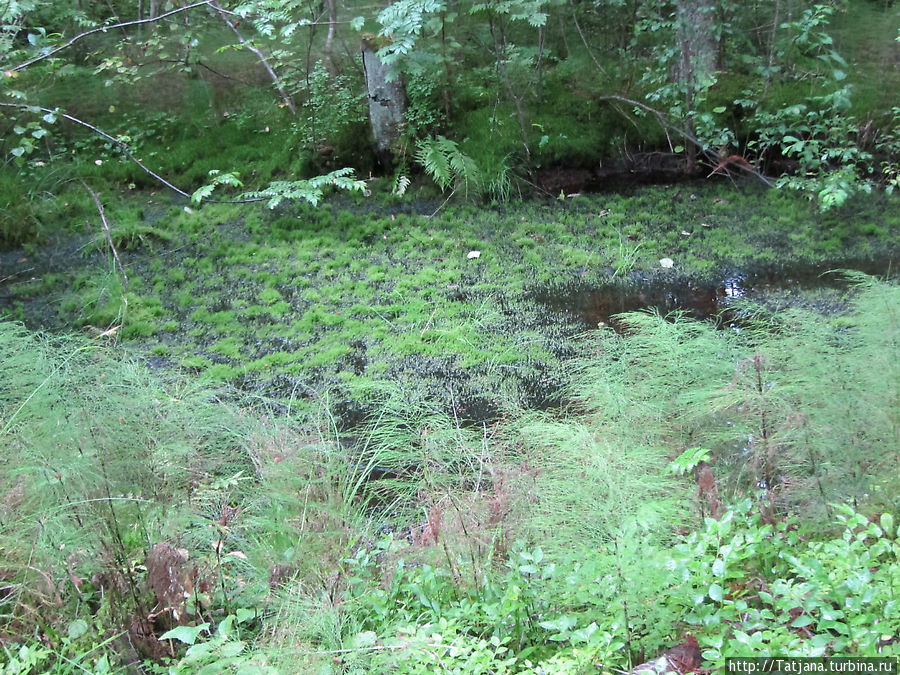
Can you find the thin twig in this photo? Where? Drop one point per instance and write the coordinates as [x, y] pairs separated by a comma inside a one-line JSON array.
[[586, 45], [103, 29], [126, 150], [109, 241], [453, 192], [16, 274], [121, 145], [285, 97]]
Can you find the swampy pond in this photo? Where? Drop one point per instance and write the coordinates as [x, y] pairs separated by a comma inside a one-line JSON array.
[[473, 309]]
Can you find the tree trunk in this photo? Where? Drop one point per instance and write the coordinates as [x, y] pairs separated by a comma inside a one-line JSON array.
[[331, 8], [695, 70], [387, 101], [157, 7]]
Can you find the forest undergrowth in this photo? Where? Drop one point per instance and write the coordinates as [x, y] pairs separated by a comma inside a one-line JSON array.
[[735, 486]]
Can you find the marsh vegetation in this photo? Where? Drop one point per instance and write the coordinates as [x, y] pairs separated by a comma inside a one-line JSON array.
[[556, 381]]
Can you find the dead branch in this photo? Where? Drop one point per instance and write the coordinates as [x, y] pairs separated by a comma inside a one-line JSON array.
[[109, 241], [103, 29], [667, 125]]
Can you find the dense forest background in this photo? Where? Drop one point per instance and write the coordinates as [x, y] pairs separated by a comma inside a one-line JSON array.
[[515, 336], [493, 98]]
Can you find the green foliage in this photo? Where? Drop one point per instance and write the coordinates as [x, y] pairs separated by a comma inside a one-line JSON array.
[[283, 522], [71, 658], [447, 165], [756, 588], [310, 191], [218, 178], [760, 398], [331, 106], [403, 21], [104, 475], [223, 652]]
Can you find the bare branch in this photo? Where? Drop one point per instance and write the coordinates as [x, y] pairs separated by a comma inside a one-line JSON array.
[[121, 145], [668, 126], [285, 97], [109, 241], [103, 29], [124, 148]]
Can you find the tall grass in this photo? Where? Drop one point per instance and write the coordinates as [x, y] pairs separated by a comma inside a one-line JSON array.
[[801, 406], [130, 505], [101, 462]]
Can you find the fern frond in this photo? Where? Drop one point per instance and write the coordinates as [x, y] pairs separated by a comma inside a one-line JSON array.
[[447, 164], [401, 185], [310, 190], [432, 155], [466, 170]]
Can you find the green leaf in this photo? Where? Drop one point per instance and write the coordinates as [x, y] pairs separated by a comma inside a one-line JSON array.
[[231, 649], [357, 23], [225, 627], [716, 593], [18, 152], [77, 628], [186, 634], [719, 109], [50, 118], [802, 621], [887, 525], [202, 193], [718, 568], [562, 624], [367, 638], [200, 651], [244, 614]]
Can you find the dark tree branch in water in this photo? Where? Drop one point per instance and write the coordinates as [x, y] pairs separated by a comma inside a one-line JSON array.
[[103, 29], [713, 158]]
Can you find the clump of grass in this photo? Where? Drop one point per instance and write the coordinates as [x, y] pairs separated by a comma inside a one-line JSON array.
[[106, 468], [99, 463], [797, 405]]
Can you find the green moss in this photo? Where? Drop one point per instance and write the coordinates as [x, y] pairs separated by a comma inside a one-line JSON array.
[[138, 328], [220, 372], [229, 347], [195, 362], [269, 296]]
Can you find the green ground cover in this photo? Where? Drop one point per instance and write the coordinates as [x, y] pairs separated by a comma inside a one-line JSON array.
[[337, 440], [142, 520], [292, 301]]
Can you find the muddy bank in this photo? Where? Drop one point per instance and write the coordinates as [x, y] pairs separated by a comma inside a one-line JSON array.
[[819, 286]]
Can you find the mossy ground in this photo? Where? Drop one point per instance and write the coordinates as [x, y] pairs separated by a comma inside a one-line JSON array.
[[293, 301]]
